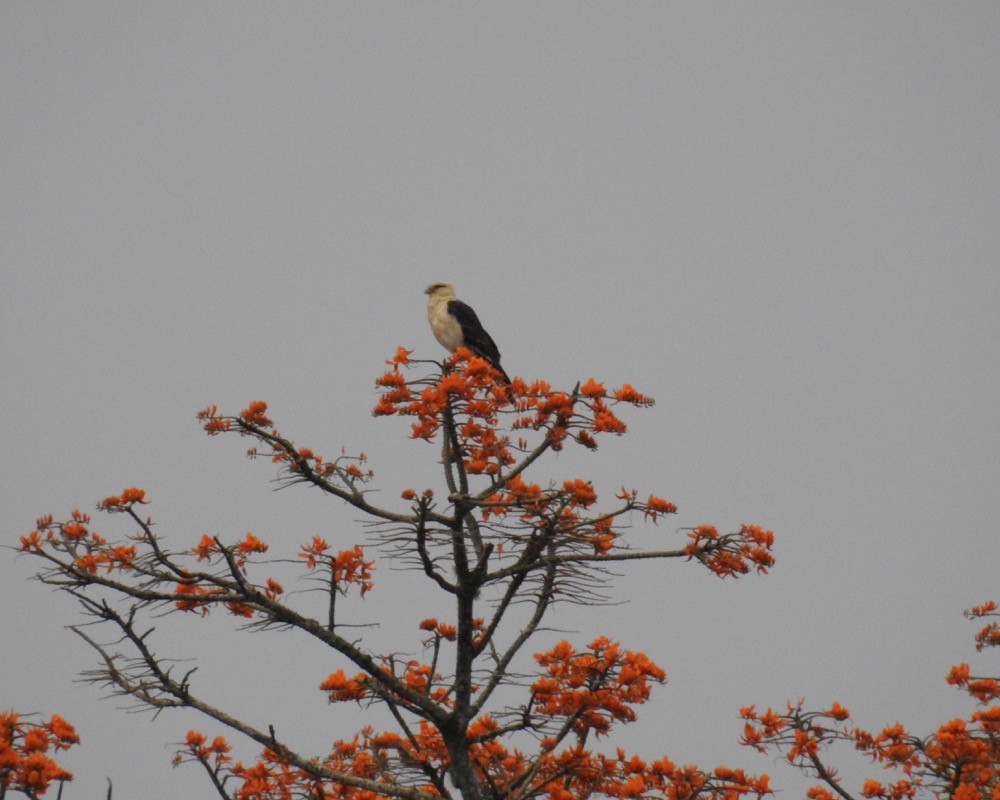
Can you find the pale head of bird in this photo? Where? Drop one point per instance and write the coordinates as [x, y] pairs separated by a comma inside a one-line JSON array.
[[440, 289]]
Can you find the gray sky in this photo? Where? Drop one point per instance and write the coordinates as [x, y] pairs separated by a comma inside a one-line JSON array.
[[779, 219]]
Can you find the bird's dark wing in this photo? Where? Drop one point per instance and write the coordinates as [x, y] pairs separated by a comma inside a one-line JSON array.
[[475, 338]]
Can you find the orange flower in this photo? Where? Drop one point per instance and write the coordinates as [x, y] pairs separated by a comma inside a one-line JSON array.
[[455, 383], [418, 676], [481, 725], [194, 739], [251, 544], [342, 688], [220, 746], [635, 785], [986, 608], [216, 425], [984, 689], [33, 542], [313, 551], [35, 740], [185, 604], [402, 357], [661, 505], [205, 548], [804, 745], [445, 631], [581, 492], [120, 502], [657, 505], [989, 636], [62, 730], [240, 609], [593, 389], [75, 530], [350, 567], [392, 379], [88, 562], [607, 421], [121, 556], [629, 395], [254, 414]]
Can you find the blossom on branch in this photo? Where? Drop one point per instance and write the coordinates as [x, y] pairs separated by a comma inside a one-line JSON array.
[[26, 748]]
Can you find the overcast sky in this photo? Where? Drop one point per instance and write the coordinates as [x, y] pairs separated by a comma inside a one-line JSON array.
[[780, 219]]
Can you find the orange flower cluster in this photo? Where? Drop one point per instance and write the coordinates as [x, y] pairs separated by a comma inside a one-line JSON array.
[[442, 630], [573, 773], [190, 589], [82, 552], [254, 414], [421, 678], [25, 746], [270, 778], [376, 758], [214, 754], [350, 567], [195, 597], [634, 778], [213, 423], [988, 636], [468, 389], [560, 509], [657, 505], [88, 549], [982, 689], [347, 567], [341, 688], [447, 632], [298, 461], [209, 546], [491, 759], [123, 501], [598, 686], [74, 530], [959, 760], [111, 557], [804, 735], [417, 677], [732, 554]]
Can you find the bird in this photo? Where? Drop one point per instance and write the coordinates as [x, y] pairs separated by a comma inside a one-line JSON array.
[[456, 325]]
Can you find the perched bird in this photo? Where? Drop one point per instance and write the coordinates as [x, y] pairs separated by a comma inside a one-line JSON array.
[[456, 325]]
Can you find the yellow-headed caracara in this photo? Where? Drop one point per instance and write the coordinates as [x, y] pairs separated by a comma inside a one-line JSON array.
[[456, 325]]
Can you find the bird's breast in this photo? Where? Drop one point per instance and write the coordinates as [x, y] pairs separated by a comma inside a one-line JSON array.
[[446, 330]]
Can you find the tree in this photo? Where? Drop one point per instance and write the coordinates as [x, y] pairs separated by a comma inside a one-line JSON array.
[[469, 720], [959, 761]]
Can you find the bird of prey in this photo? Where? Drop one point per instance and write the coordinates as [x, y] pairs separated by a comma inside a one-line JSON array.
[[456, 325]]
